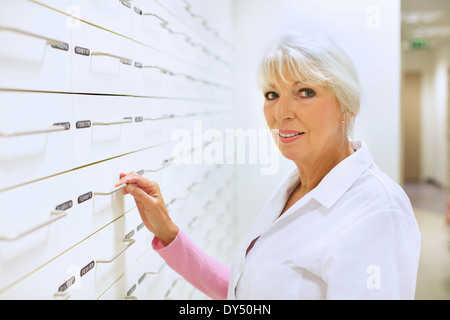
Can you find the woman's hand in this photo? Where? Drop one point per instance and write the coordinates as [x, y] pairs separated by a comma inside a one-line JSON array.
[[151, 206]]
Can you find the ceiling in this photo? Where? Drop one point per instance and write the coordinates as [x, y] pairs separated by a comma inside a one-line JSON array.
[[427, 20]]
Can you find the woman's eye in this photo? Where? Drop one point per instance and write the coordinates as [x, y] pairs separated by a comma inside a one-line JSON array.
[[271, 95], [307, 93]]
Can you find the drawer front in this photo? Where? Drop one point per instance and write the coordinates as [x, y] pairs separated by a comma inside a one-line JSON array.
[[110, 15], [34, 142], [102, 61], [35, 53], [98, 202], [148, 24], [156, 74], [61, 5], [157, 28], [38, 221], [87, 270], [135, 284], [105, 127]]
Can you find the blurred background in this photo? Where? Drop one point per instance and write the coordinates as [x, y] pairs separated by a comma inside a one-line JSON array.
[[401, 50]]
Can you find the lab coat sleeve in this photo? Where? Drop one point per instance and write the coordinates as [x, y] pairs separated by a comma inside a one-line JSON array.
[[198, 268], [376, 258]]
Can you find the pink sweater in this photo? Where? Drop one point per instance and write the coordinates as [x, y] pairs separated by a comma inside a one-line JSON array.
[[198, 268]]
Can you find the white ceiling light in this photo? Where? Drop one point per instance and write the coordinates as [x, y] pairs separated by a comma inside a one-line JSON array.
[[421, 16]]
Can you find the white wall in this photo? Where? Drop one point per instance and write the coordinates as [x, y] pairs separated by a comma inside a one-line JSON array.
[[369, 30], [434, 67]]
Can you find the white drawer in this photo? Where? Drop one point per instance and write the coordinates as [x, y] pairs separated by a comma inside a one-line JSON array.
[[105, 127], [102, 61], [148, 24], [156, 74], [166, 120], [30, 148], [38, 221], [87, 270], [35, 53], [110, 15], [135, 284], [61, 5], [99, 202]]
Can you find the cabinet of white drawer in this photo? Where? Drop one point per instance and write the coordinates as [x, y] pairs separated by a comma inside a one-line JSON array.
[[154, 26], [156, 74], [102, 61], [105, 127], [148, 24], [88, 269], [34, 52], [38, 221], [35, 136], [61, 5], [98, 201], [166, 120], [110, 15], [136, 283]]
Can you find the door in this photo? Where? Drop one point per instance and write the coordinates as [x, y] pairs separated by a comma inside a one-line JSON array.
[[411, 126]]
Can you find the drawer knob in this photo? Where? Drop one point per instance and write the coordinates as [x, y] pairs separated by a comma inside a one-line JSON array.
[[57, 44], [128, 244], [106, 54], [62, 126], [111, 123], [56, 215]]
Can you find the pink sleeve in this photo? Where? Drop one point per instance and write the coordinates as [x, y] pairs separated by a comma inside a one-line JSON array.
[[198, 268]]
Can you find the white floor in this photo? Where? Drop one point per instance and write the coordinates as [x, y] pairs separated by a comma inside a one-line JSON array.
[[433, 280]]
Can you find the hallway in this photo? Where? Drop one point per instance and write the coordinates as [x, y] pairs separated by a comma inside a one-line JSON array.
[[429, 202]]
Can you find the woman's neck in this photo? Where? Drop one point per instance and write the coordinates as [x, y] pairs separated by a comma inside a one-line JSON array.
[[315, 168]]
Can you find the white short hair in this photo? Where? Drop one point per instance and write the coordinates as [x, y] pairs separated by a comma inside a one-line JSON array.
[[313, 60]]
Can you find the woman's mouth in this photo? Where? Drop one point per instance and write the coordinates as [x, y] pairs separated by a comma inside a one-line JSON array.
[[287, 136]]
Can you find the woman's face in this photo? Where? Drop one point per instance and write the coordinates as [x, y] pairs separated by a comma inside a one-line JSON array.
[[305, 120]]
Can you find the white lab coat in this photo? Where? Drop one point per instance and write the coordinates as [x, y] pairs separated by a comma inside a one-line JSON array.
[[352, 237]]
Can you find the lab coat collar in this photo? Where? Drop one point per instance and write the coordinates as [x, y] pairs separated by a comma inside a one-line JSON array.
[[343, 175]]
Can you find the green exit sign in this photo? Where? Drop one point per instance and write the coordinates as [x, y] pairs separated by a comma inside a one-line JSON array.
[[419, 44]]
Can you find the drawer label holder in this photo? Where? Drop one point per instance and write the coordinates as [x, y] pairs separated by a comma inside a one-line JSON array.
[[85, 197], [87, 268], [61, 46], [64, 206], [83, 51], [83, 124], [66, 284]]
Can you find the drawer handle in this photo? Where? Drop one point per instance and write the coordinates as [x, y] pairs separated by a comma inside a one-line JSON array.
[[144, 275], [107, 193], [111, 123], [165, 164], [163, 70], [163, 117], [62, 295], [55, 128], [166, 297], [129, 243], [57, 214], [171, 73], [106, 54], [164, 23], [50, 41]]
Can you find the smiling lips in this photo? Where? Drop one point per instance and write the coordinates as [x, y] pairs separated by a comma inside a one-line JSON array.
[[287, 136]]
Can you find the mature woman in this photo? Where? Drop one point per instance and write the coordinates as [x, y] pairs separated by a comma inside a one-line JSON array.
[[336, 227]]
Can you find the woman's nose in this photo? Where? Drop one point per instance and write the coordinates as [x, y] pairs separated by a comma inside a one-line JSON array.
[[285, 109]]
